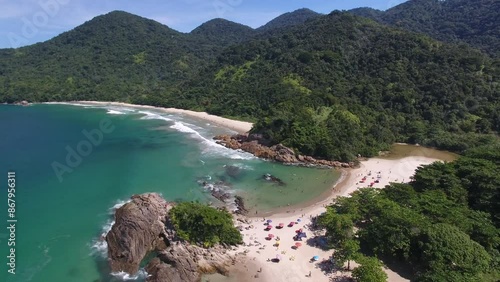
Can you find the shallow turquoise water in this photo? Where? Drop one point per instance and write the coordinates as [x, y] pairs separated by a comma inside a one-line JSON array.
[[61, 219]]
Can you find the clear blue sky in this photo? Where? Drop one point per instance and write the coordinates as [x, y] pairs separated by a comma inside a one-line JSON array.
[[24, 22]]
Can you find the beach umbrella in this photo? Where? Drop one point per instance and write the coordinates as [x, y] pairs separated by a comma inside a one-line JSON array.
[[291, 223], [269, 227], [270, 236], [316, 258], [281, 225], [298, 244], [269, 221], [299, 220]]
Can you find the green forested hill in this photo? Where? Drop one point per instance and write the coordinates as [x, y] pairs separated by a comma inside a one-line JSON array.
[[117, 56], [475, 22], [342, 85], [296, 17], [221, 32], [113, 56], [333, 87]]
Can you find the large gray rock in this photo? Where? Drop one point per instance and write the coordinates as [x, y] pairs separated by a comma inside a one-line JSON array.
[[139, 229], [142, 226], [184, 262]]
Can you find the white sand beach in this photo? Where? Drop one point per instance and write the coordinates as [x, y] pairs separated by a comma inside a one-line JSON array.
[[236, 125], [296, 264]]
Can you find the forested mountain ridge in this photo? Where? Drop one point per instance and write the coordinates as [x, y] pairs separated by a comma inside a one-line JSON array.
[[222, 32], [475, 22], [334, 86], [342, 85], [116, 56], [294, 18], [111, 57]]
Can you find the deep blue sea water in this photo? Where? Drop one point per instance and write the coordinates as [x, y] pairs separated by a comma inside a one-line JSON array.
[[63, 208]]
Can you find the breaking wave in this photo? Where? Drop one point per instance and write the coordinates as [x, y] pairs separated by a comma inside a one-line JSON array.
[[99, 245], [123, 276]]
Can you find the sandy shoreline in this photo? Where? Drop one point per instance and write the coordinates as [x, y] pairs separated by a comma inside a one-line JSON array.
[[236, 125], [295, 264]]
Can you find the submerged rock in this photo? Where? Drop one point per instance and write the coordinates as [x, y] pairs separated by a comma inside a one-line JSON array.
[[233, 171], [274, 179]]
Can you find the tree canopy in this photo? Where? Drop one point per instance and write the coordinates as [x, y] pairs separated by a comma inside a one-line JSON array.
[[198, 223], [331, 86], [443, 225], [466, 21]]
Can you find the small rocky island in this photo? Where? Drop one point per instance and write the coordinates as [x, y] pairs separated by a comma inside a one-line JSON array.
[[142, 227], [260, 147]]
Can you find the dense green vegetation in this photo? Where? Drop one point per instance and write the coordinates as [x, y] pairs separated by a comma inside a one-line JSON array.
[[286, 20], [341, 85], [117, 56], [198, 223], [444, 225], [333, 86], [370, 270], [471, 21]]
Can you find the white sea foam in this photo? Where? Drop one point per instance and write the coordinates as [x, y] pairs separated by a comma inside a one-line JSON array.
[[118, 205], [243, 166], [212, 148], [114, 112], [141, 274], [65, 103], [99, 245], [150, 115]]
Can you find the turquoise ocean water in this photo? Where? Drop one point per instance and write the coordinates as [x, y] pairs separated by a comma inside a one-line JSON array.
[[62, 213]]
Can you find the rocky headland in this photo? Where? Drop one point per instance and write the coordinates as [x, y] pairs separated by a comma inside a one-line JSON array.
[[142, 227], [260, 147]]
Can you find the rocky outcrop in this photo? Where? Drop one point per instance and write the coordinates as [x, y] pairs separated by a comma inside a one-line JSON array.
[[22, 103], [139, 229], [142, 226], [240, 205], [259, 147], [183, 262]]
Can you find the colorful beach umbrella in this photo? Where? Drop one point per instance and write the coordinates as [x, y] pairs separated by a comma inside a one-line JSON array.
[[316, 258], [269, 221], [270, 236], [299, 220], [298, 244], [291, 223], [281, 225]]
